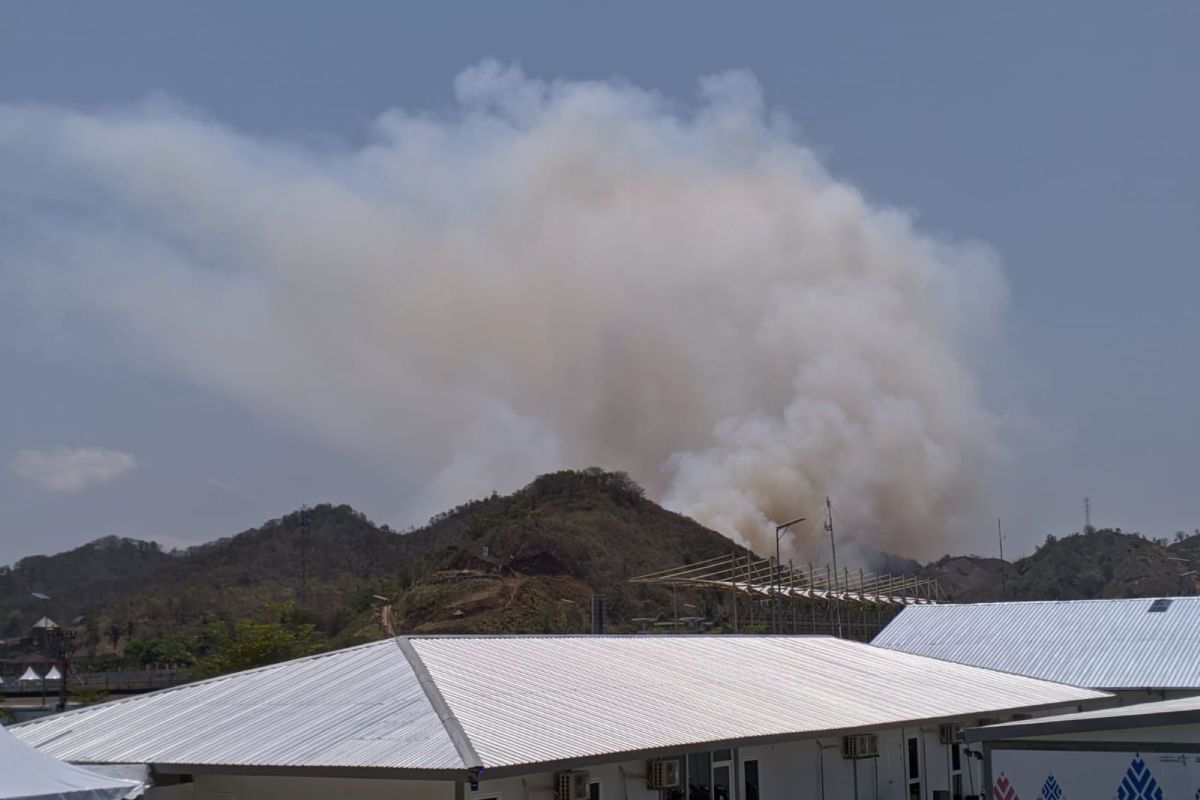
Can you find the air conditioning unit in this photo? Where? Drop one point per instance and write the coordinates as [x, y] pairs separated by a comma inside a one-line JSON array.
[[948, 732], [571, 785], [983, 722], [662, 773], [864, 745]]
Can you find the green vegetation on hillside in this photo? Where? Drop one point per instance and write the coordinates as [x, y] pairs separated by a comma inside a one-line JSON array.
[[528, 562], [1096, 564]]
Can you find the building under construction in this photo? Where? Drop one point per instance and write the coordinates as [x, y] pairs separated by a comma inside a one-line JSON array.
[[764, 595]]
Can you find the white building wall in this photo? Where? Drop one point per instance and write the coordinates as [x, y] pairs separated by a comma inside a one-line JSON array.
[[816, 769], [619, 781], [810, 769], [268, 787]]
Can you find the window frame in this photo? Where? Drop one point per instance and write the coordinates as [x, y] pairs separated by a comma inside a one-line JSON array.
[[757, 762]]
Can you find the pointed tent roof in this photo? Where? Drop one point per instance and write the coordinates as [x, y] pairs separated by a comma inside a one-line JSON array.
[[442, 705], [45, 623], [30, 674], [53, 674], [30, 774]]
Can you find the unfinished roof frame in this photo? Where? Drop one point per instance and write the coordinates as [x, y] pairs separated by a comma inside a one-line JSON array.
[[814, 598]]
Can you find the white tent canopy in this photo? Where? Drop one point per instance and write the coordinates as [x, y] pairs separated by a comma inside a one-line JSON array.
[[30, 674], [53, 674], [30, 774]]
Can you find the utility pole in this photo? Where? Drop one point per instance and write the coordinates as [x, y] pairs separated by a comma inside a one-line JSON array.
[[837, 610], [303, 556], [1003, 576], [779, 529], [66, 648]]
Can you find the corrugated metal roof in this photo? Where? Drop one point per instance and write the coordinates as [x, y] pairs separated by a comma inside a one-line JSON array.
[[1104, 644], [360, 707], [526, 700]]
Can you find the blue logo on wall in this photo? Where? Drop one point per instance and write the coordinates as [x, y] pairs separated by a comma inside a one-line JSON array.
[[1052, 791], [1138, 783]]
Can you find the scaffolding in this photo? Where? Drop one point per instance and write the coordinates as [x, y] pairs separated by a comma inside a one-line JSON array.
[[783, 598]]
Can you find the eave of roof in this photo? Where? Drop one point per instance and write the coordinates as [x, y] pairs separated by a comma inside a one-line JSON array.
[[1180, 711]]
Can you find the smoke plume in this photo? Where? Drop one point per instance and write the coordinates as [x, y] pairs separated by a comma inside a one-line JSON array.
[[554, 274]]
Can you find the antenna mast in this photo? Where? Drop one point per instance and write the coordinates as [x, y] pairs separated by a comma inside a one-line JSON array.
[[1087, 515], [303, 556], [1003, 575]]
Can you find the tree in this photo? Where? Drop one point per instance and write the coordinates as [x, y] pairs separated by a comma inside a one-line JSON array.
[[172, 650], [245, 644]]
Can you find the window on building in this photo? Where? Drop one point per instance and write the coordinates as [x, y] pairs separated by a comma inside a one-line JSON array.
[[594, 790], [699, 776], [722, 774], [914, 768], [750, 779]]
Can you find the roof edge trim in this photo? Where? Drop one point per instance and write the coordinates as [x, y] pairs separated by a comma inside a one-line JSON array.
[[454, 729], [1054, 726]]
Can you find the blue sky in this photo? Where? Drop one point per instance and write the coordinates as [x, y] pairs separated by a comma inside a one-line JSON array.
[[1063, 138]]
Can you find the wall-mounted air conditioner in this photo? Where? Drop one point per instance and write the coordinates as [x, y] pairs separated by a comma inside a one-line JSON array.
[[948, 732], [571, 785], [863, 745], [662, 773]]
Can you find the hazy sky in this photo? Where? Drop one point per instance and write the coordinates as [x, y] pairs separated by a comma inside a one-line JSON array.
[[1061, 137]]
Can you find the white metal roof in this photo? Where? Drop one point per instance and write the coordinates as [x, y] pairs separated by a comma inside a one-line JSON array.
[[502, 702], [1104, 644], [360, 707]]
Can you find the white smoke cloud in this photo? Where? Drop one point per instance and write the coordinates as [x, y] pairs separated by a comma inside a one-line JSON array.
[[71, 469], [555, 274]]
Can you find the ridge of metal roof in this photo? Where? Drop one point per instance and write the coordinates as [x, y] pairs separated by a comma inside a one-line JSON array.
[[454, 728]]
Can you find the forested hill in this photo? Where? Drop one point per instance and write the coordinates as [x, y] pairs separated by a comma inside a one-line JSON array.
[[525, 562], [1102, 563], [528, 561]]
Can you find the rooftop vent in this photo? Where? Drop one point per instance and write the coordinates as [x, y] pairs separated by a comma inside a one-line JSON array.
[[1160, 605]]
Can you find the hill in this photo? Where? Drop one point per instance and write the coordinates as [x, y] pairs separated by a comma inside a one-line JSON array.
[[528, 562], [523, 562], [532, 560], [1101, 563]]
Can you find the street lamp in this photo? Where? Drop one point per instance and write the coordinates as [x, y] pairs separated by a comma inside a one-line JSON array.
[[779, 531]]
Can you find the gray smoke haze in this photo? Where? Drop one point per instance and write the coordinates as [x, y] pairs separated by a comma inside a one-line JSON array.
[[554, 275]]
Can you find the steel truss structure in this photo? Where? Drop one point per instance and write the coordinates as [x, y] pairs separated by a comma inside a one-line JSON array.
[[787, 599]]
